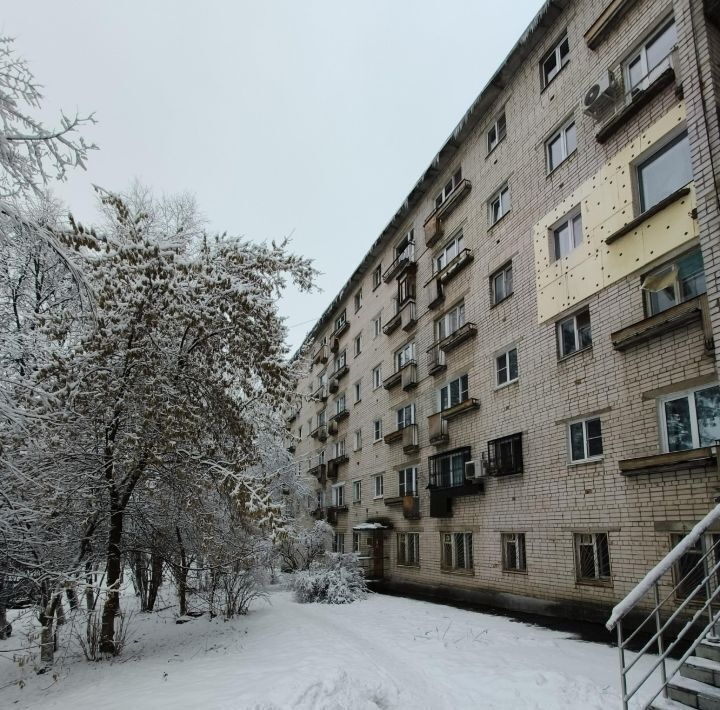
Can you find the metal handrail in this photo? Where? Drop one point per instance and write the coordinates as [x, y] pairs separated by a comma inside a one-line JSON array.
[[706, 591]]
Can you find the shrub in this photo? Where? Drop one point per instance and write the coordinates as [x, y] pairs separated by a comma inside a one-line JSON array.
[[335, 579]]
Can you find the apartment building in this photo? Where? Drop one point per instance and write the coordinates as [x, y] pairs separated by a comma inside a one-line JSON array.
[[514, 400]]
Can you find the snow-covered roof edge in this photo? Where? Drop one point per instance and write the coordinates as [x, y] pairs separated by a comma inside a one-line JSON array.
[[547, 14]]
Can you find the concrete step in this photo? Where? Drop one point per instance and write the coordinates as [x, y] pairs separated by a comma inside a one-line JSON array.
[[708, 649], [702, 669], [667, 704], [694, 693]]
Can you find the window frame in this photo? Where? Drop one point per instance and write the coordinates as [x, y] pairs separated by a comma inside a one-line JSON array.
[[400, 356], [410, 556], [357, 391], [503, 271], [678, 296], [597, 577], [443, 322], [561, 61], [663, 146], [403, 475], [499, 133], [495, 454], [560, 134], [340, 320], [378, 478], [452, 247], [453, 565], [562, 353], [497, 196], [404, 410], [450, 187], [688, 394], [453, 475], [338, 495], [587, 456], [357, 440], [640, 53], [377, 377], [377, 430], [377, 326], [357, 490], [377, 276], [357, 345], [516, 539], [462, 387], [338, 545], [572, 219], [506, 355]]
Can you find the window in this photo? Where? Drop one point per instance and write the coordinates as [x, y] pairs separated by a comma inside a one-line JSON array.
[[405, 416], [448, 323], [566, 236], [592, 556], [357, 440], [340, 321], [320, 495], [356, 542], [405, 248], [340, 360], [449, 252], [407, 481], [356, 491], [513, 552], [357, 389], [358, 300], [506, 367], [457, 552], [674, 283], [499, 205], [309, 427], [585, 439], [321, 457], [449, 187], [406, 290], [664, 172], [358, 345], [378, 490], [690, 570], [496, 133], [408, 549], [377, 377], [321, 418], [339, 448], [338, 495], [340, 405], [505, 455], [454, 392], [691, 419], [377, 276], [652, 59], [502, 283], [377, 430], [448, 470], [574, 333], [377, 326], [404, 356], [555, 60], [561, 145], [338, 542]]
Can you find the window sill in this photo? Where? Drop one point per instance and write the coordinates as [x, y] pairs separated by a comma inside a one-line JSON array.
[[650, 212], [584, 462], [570, 356], [356, 502], [460, 572], [559, 165], [500, 219], [507, 384], [378, 497]]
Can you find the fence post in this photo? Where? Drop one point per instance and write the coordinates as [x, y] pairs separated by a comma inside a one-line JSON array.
[[621, 650], [663, 671]]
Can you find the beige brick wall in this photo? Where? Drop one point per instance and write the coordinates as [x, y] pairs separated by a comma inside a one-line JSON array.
[[551, 499]]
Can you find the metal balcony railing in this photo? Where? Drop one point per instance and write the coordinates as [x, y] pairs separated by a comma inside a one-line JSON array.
[[691, 606]]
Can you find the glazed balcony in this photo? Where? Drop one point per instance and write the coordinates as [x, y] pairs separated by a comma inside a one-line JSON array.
[[404, 263], [436, 360], [434, 226]]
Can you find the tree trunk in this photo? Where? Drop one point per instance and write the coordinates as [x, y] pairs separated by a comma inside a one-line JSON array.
[[47, 637], [89, 596], [5, 627], [156, 570], [112, 602], [72, 598], [182, 575]]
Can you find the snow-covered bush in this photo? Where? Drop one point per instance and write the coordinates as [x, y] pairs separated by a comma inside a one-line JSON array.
[[335, 579], [302, 546]]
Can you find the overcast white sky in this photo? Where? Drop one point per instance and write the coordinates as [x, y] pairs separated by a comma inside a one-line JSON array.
[[313, 118]]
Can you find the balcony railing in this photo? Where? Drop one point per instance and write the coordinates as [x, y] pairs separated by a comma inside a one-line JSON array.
[[404, 262], [411, 507], [434, 223], [320, 432], [438, 429], [333, 386], [332, 427], [320, 355], [320, 394], [340, 372], [340, 329], [453, 267], [340, 414], [436, 359], [333, 465], [405, 316], [463, 333], [409, 376], [318, 471], [410, 439]]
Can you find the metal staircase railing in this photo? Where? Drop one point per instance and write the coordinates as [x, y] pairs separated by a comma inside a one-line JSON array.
[[689, 600]]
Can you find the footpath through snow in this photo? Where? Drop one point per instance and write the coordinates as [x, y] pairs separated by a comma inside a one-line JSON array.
[[383, 653]]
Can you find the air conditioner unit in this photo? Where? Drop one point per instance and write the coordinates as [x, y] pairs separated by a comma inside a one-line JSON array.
[[601, 95], [475, 470]]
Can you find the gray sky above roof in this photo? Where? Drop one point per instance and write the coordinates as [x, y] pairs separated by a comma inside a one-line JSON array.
[[312, 119]]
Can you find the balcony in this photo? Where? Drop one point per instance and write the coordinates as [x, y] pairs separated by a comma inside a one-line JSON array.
[[340, 373], [410, 439], [454, 267], [404, 263], [344, 413], [460, 408], [333, 465], [333, 386], [320, 355], [457, 337], [675, 461], [318, 513], [436, 360], [434, 223], [438, 429], [438, 297], [333, 511], [393, 436], [334, 345], [320, 433], [340, 329], [405, 317], [318, 472], [411, 507], [694, 310], [332, 428], [406, 375], [320, 394]]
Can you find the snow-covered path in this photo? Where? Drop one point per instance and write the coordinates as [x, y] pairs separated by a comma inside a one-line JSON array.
[[381, 653]]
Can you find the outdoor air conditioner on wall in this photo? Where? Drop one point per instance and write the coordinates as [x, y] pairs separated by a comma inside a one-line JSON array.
[[475, 469], [601, 95]]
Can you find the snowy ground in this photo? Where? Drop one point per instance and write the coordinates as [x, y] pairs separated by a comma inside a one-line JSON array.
[[381, 653]]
